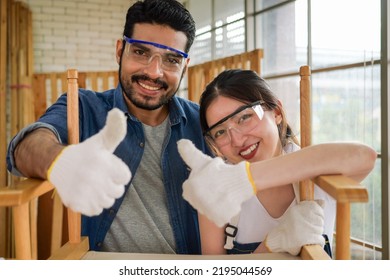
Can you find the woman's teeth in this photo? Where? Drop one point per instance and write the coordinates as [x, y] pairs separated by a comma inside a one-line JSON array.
[[249, 150]]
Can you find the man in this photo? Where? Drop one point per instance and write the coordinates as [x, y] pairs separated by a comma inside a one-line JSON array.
[[148, 214]]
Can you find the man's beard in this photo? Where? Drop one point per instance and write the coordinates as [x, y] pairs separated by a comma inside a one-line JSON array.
[[127, 88]]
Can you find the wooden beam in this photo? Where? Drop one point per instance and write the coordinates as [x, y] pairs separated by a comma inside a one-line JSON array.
[[4, 213], [74, 219], [23, 192], [342, 188]]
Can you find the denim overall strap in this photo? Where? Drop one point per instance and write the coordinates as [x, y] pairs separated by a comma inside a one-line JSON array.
[[231, 232]]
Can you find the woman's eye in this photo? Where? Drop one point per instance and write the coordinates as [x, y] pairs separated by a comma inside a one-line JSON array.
[[219, 133], [244, 118]]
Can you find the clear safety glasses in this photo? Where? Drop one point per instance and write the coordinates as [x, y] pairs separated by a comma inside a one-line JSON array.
[[144, 52], [243, 120]]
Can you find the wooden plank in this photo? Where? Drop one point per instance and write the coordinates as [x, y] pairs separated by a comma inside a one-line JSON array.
[[105, 79], [313, 252], [29, 45], [27, 101], [39, 90], [255, 60], [202, 74], [93, 79], [54, 94], [22, 231], [14, 71], [33, 228], [23, 191], [116, 78], [21, 36], [40, 81], [343, 231], [64, 82], [3, 99], [306, 187], [56, 226], [4, 212], [82, 80], [74, 219], [25, 67], [342, 188], [72, 251]]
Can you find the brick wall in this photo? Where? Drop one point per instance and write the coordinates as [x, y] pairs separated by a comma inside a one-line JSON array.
[[76, 34]]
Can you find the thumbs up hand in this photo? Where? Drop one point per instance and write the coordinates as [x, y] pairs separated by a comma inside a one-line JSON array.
[[88, 176], [214, 188]]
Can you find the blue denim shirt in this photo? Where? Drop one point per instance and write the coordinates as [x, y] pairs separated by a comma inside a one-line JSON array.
[[93, 109]]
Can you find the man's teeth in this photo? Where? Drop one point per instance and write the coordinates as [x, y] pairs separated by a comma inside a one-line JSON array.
[[148, 87], [249, 150]]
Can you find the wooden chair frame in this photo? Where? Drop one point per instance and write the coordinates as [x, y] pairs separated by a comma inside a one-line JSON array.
[[343, 189], [21, 199], [201, 74]]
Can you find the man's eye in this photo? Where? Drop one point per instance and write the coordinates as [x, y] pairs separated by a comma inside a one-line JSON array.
[[139, 52], [173, 60]]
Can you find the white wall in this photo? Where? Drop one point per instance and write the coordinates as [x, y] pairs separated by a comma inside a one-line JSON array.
[[76, 34]]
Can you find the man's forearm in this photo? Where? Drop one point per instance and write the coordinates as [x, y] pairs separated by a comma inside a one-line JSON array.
[[35, 153]]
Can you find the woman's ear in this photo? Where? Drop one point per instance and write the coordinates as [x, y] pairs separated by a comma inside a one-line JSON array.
[[119, 50], [278, 113]]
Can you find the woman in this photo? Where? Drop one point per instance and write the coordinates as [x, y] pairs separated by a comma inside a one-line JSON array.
[[243, 121]]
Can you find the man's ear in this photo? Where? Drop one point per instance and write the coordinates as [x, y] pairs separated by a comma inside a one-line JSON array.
[[119, 50], [186, 66]]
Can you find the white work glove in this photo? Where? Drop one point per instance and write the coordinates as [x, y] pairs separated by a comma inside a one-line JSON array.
[[214, 188], [88, 176], [302, 224]]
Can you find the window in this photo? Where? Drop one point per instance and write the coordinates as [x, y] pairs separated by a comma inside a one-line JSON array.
[[340, 40]]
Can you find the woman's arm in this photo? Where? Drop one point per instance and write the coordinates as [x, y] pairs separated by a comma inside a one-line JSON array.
[[350, 159], [218, 189], [212, 237]]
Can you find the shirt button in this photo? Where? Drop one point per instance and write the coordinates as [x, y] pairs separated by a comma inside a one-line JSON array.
[[142, 144], [112, 211], [99, 244]]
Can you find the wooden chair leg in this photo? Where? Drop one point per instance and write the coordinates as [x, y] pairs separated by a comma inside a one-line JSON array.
[[22, 231], [33, 228], [343, 231], [56, 238]]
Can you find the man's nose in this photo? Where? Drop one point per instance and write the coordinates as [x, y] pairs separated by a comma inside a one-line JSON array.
[[154, 67]]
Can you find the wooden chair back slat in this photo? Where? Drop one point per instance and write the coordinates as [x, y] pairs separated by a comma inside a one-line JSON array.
[[200, 75], [47, 87]]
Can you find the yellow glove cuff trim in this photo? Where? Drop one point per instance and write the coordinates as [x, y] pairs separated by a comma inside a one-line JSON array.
[[54, 163], [266, 245], [248, 172]]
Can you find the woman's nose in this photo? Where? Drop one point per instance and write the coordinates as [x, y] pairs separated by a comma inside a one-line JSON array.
[[237, 138]]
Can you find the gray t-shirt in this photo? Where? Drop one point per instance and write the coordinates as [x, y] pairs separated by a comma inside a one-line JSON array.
[[142, 224]]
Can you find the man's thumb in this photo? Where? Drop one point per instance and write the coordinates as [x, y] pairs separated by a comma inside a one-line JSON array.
[[193, 157], [115, 129]]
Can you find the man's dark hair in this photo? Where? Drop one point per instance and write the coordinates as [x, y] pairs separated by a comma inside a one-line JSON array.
[[165, 12]]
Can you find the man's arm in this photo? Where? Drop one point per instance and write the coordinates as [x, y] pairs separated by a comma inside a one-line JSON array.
[[35, 153], [88, 176]]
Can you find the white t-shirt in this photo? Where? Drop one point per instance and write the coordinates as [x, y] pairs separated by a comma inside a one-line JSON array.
[[254, 222]]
